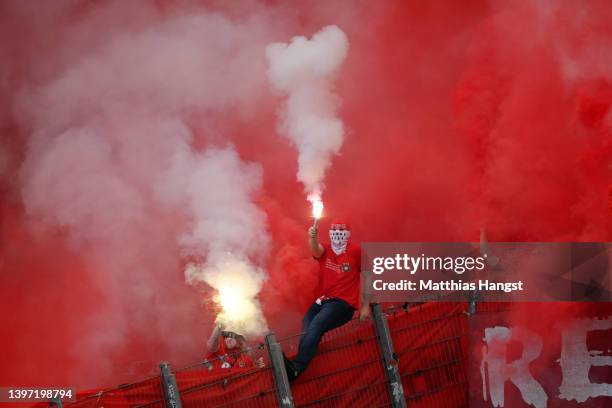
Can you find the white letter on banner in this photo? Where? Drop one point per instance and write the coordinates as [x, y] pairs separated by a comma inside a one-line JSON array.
[[494, 358], [576, 360]]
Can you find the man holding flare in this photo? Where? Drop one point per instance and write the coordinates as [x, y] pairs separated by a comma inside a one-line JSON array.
[[340, 274]]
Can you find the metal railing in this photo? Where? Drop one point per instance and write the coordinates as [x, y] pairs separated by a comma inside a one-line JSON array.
[[425, 345], [348, 352]]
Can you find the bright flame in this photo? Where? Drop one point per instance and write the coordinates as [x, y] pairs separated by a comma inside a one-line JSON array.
[[237, 283], [317, 207], [229, 302], [237, 307]]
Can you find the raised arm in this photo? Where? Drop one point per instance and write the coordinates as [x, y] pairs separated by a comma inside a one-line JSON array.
[[213, 342], [313, 241], [484, 246], [491, 259]]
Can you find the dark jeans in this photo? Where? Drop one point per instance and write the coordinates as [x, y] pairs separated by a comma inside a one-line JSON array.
[[319, 319]]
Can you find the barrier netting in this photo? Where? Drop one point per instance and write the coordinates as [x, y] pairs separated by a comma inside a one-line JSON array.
[[347, 370], [147, 393], [430, 342]]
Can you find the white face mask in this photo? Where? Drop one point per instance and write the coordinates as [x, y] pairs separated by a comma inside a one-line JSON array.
[[339, 240]]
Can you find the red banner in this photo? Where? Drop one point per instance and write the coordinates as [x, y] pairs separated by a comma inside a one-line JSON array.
[[542, 355]]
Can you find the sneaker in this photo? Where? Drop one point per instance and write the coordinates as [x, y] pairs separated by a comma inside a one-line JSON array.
[[292, 371]]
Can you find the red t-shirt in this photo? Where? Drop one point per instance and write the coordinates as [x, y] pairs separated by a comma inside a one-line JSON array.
[[341, 274], [234, 358]]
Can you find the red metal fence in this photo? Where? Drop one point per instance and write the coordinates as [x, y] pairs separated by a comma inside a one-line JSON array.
[[430, 342], [347, 370]]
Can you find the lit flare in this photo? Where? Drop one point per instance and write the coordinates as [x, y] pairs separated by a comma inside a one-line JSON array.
[[317, 208]]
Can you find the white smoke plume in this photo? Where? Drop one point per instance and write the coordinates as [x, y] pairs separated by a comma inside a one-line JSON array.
[[112, 164], [227, 229], [304, 71]]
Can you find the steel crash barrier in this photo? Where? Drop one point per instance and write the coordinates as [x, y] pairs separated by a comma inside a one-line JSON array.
[[407, 355]]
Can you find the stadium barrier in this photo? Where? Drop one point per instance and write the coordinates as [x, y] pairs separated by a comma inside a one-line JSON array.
[[346, 371], [425, 345]]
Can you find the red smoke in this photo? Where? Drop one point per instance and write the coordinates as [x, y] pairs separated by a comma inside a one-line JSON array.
[[459, 115]]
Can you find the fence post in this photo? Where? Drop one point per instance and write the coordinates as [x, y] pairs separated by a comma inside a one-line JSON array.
[[281, 382], [55, 402], [394, 380], [472, 299], [171, 391]]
